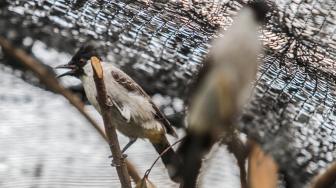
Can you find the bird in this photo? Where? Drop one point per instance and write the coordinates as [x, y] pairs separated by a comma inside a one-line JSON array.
[[134, 113], [223, 87]]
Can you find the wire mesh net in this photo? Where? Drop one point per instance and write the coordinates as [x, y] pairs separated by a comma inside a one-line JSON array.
[[162, 45]]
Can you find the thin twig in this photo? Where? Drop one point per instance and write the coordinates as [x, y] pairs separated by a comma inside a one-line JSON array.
[[236, 146], [327, 179], [262, 169], [52, 83], [110, 130], [161, 154]]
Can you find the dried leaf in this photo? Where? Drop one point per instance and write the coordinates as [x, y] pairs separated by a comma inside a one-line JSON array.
[[145, 183]]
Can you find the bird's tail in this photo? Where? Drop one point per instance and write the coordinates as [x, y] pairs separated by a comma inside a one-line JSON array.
[[170, 159], [191, 151]]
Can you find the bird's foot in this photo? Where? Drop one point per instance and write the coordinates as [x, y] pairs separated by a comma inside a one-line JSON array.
[[114, 164], [123, 156], [109, 101]]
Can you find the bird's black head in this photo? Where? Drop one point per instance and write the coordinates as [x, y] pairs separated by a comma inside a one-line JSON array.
[[79, 60], [261, 8]]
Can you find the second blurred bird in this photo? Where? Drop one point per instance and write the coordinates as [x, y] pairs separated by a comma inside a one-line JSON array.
[[223, 87]]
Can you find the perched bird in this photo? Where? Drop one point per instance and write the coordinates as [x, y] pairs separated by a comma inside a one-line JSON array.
[[134, 115]]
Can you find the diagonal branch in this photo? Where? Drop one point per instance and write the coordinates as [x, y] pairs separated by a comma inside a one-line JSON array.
[[46, 78], [110, 130]]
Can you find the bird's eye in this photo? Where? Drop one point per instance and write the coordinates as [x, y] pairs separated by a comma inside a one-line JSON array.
[[81, 61]]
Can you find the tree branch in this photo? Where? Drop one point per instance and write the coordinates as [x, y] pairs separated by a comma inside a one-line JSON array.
[[45, 77], [51, 82], [161, 154], [262, 170], [327, 179], [110, 130]]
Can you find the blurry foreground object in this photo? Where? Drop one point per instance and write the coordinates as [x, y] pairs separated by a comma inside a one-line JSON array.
[[327, 179], [263, 171], [145, 183], [222, 91]]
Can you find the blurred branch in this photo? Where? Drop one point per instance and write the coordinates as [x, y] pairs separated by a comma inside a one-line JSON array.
[[110, 130], [262, 170], [49, 80], [326, 179], [238, 148]]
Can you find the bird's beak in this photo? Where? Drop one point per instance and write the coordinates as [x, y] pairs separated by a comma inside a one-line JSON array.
[[71, 72]]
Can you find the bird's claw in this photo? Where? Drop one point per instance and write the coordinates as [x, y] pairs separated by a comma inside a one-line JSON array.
[[114, 164], [123, 156], [109, 101]]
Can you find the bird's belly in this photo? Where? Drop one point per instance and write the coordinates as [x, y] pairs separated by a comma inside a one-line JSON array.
[[136, 129], [129, 129]]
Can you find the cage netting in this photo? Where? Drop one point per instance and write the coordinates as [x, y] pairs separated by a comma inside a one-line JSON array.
[[162, 45]]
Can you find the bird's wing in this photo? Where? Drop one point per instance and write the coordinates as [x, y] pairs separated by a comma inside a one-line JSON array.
[[123, 110], [129, 84]]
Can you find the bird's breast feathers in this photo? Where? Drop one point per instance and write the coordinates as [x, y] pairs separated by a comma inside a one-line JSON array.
[[130, 104]]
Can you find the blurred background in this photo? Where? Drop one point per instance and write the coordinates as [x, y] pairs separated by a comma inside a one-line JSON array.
[[45, 142]]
